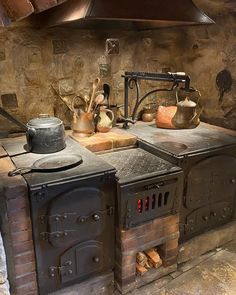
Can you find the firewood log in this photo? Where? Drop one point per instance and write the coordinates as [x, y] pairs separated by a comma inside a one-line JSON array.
[[141, 270], [153, 257], [141, 258]]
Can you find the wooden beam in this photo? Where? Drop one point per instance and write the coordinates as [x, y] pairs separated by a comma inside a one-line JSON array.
[[17, 10]]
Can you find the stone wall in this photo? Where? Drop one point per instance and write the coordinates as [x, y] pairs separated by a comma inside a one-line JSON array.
[[4, 285], [33, 60]]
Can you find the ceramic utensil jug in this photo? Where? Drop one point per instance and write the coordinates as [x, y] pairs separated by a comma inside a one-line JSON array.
[[83, 124], [104, 122]]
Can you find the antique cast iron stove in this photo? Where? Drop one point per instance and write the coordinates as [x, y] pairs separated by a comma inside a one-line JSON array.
[[208, 158], [206, 154], [147, 186], [73, 218]]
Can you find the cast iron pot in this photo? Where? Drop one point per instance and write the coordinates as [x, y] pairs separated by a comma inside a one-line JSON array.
[[44, 134]]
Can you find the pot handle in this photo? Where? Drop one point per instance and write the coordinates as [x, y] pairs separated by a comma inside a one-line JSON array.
[[112, 114], [19, 171], [197, 115]]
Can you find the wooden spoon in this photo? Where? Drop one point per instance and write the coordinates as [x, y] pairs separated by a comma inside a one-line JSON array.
[[95, 86], [98, 100]]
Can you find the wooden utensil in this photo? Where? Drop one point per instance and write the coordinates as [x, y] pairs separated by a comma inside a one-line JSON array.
[[95, 86], [98, 100]]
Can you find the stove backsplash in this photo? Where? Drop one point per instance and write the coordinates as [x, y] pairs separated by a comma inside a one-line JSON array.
[[32, 60]]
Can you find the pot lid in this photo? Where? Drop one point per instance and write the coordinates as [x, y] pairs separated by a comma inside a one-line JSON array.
[[187, 103], [44, 121]]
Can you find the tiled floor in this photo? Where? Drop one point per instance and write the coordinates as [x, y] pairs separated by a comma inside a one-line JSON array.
[[212, 274]]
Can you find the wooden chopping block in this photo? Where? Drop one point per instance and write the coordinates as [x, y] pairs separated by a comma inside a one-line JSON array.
[[153, 257]]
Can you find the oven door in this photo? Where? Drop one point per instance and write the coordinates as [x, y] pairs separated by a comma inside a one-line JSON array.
[[211, 180]]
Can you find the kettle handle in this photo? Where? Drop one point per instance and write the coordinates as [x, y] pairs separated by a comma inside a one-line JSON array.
[[197, 115], [112, 114]]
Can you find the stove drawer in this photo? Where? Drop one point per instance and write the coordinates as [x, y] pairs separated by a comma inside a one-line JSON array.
[[150, 200]]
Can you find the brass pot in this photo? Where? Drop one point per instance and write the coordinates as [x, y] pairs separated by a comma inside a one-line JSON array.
[[186, 115]]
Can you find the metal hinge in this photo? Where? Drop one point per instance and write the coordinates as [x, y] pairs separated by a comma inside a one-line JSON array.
[[56, 217], [55, 235], [64, 270]]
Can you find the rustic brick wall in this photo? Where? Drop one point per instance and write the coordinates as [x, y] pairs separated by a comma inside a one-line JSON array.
[[17, 231], [162, 232], [32, 60]]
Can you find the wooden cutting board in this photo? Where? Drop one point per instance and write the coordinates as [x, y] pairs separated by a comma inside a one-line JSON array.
[[116, 138]]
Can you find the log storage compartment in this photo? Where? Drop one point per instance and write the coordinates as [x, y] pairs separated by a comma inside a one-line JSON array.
[[162, 234]]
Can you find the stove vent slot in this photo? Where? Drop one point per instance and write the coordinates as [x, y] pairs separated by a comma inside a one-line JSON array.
[[153, 201], [144, 204], [147, 203], [166, 197]]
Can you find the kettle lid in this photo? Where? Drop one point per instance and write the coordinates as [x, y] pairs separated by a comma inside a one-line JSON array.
[[187, 103], [44, 121]]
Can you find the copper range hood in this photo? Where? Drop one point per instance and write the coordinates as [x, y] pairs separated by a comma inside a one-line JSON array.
[[139, 14]]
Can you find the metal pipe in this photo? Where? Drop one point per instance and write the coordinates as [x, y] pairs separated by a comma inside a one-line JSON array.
[[12, 119]]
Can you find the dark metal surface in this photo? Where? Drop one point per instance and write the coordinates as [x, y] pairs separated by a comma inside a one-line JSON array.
[[91, 164], [9, 117], [148, 186], [185, 142], [142, 14], [51, 163], [137, 164], [207, 156], [73, 229]]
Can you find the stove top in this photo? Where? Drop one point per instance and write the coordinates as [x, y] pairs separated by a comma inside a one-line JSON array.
[[137, 164], [91, 163], [186, 141]]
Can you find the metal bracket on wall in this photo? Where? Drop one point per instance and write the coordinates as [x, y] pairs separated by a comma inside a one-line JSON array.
[[132, 79]]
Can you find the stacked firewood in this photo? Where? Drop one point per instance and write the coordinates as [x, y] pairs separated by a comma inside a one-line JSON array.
[[146, 260]]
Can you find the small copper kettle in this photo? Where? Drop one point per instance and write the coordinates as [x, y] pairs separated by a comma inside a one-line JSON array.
[[187, 115]]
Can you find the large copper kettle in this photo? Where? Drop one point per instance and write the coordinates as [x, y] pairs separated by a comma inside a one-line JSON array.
[[187, 114]]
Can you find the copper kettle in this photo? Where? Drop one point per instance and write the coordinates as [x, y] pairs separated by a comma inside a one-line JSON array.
[[187, 114]]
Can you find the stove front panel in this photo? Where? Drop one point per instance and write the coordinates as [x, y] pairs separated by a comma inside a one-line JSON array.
[[146, 200], [210, 194], [73, 229]]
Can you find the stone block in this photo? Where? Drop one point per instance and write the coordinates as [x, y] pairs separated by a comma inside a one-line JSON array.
[[3, 266], [4, 289]]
